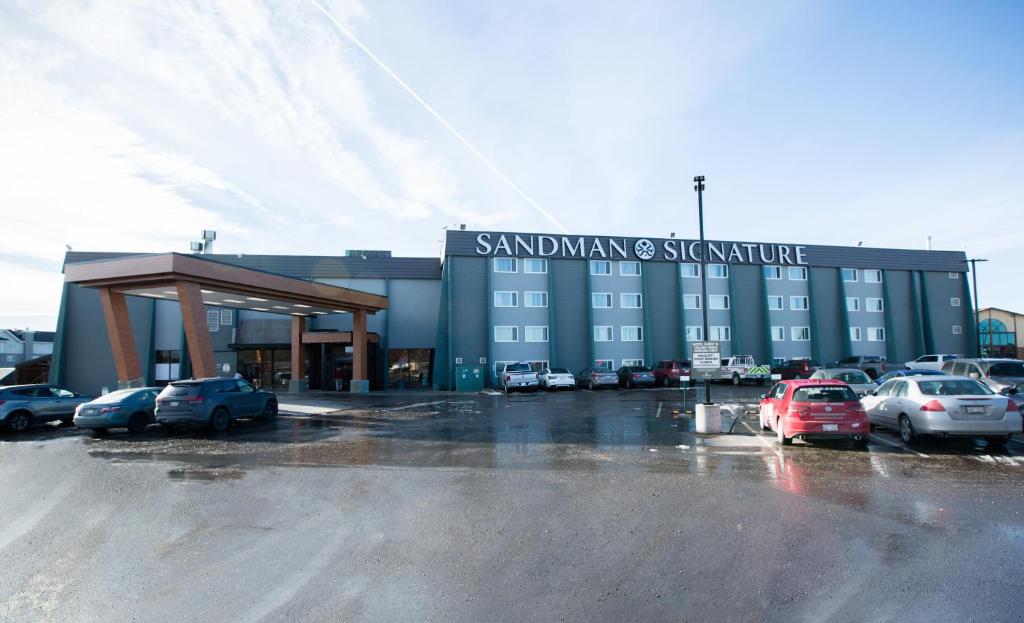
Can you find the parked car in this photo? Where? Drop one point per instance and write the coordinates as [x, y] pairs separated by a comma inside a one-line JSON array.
[[872, 365], [125, 408], [813, 409], [594, 378], [909, 372], [517, 376], [668, 371], [930, 362], [796, 369], [739, 368], [632, 376], [858, 380], [21, 406], [553, 378], [213, 402], [1001, 375], [943, 405]]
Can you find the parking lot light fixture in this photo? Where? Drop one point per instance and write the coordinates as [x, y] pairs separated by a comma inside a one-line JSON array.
[[699, 187]]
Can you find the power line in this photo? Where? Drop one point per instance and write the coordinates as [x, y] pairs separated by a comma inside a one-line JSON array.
[[487, 163]]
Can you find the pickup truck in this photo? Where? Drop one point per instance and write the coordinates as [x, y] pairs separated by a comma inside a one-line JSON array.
[[742, 368], [872, 365], [518, 376]]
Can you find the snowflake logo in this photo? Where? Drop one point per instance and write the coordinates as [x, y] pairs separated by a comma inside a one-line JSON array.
[[644, 249]]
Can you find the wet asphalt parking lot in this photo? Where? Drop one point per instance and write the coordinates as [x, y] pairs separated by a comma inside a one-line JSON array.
[[598, 506]]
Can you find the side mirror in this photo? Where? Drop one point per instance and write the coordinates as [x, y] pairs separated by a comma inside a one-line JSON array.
[[873, 392], [975, 375], [763, 396]]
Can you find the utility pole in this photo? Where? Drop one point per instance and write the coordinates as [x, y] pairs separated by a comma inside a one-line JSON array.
[[977, 310], [699, 187]]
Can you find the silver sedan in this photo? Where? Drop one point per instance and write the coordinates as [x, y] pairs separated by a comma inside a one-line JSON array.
[[858, 380], [943, 405]]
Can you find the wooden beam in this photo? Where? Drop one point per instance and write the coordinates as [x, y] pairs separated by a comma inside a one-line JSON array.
[[193, 317], [359, 345], [298, 356], [335, 337], [119, 331]]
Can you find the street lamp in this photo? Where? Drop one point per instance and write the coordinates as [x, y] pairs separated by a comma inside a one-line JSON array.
[[977, 310], [699, 187]]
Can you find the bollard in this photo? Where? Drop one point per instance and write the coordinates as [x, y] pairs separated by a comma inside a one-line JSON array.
[[709, 419]]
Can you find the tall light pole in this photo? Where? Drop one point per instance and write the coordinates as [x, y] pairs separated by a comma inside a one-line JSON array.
[[977, 310], [699, 187]]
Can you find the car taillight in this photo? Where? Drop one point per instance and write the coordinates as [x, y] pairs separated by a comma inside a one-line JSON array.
[[885, 366], [933, 405], [194, 399], [636, 376], [797, 412], [109, 410], [508, 377], [2, 402]]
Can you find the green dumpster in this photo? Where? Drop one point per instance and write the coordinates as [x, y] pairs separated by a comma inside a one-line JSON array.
[[469, 378]]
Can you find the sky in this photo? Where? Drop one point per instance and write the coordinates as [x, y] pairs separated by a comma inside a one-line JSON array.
[[132, 126]]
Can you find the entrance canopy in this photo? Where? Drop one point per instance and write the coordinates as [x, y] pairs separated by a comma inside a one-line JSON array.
[[196, 282]]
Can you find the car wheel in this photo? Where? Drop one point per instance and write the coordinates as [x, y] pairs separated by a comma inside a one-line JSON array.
[[736, 379], [219, 420], [861, 443], [786, 441], [629, 384], [906, 430], [19, 422], [68, 421], [100, 432], [996, 443], [137, 423], [269, 412], [590, 385]]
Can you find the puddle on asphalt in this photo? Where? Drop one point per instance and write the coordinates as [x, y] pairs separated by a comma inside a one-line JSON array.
[[200, 474]]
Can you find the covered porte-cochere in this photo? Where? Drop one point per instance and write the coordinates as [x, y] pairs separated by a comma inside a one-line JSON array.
[[196, 283]]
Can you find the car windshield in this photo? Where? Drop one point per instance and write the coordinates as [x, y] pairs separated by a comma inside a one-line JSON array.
[[181, 390], [559, 371], [955, 387], [518, 367], [851, 376], [825, 393], [1006, 368], [115, 396]]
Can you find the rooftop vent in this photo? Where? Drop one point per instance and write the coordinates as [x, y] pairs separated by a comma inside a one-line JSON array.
[[357, 253]]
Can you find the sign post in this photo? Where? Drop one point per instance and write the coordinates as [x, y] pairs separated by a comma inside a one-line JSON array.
[[709, 415], [706, 360]]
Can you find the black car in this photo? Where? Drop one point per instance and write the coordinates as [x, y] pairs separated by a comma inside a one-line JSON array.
[[633, 376]]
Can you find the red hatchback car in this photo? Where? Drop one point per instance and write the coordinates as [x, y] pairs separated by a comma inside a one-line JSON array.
[[814, 409]]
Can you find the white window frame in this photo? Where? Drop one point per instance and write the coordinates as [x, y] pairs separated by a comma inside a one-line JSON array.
[[954, 275], [717, 331], [526, 333], [599, 364], [954, 301], [881, 304], [780, 299], [855, 334], [608, 297], [778, 334], [725, 299], [958, 330], [725, 271], [543, 263], [775, 270], [875, 272], [608, 333], [539, 364], [876, 334], [595, 263], [693, 297], [213, 320], [515, 298], [639, 333], [696, 270], [526, 298], [639, 300], [515, 333], [624, 263], [801, 273], [856, 304], [696, 329], [632, 362], [515, 265], [796, 334], [805, 300], [499, 366], [856, 275], [227, 316]]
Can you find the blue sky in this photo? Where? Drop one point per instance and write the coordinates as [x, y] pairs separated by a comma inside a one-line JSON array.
[[133, 126]]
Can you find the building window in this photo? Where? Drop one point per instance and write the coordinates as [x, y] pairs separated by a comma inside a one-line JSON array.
[[798, 303], [213, 320], [536, 334], [954, 275], [505, 265], [695, 334], [954, 302], [774, 303], [854, 334], [603, 334], [601, 299], [772, 272], [167, 365], [630, 269], [604, 364], [876, 334], [852, 303], [632, 362], [718, 301], [630, 301], [797, 273], [506, 299], [537, 366], [874, 305], [631, 334], [718, 271], [957, 329], [535, 299], [872, 275], [535, 265], [690, 270], [227, 316], [691, 301], [721, 334], [850, 275], [800, 334], [506, 334], [778, 334], [600, 267]]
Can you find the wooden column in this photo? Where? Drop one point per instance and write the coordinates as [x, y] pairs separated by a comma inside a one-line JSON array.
[[193, 317], [359, 347], [298, 380], [122, 342]]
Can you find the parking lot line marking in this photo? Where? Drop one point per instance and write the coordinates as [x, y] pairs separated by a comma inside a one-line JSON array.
[[415, 405], [1004, 460], [764, 443], [984, 458], [898, 445], [658, 414]]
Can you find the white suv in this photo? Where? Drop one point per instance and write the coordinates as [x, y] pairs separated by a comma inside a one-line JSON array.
[[930, 362]]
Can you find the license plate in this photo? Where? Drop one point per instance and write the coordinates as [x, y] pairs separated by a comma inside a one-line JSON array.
[[523, 383], [174, 404], [975, 410], [830, 427]]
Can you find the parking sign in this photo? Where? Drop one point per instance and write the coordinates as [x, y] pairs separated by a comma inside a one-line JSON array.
[[707, 355]]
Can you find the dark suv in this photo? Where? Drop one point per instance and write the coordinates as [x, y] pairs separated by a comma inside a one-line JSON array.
[[872, 365], [796, 369], [668, 371], [213, 403]]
